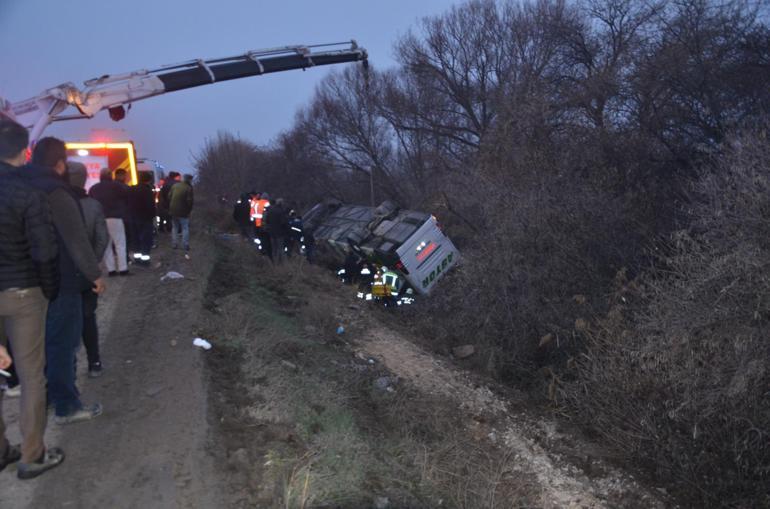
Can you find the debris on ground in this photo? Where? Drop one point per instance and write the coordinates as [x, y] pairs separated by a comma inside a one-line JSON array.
[[239, 459], [172, 275], [202, 343], [153, 391], [463, 351], [385, 383]]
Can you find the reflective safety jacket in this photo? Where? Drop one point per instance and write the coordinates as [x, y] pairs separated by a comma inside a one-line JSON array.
[[392, 281], [258, 207]]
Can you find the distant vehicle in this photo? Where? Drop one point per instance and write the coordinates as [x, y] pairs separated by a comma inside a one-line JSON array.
[[153, 167], [405, 242], [99, 155]]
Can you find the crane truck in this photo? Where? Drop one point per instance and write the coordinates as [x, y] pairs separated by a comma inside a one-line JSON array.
[[117, 92], [402, 251]]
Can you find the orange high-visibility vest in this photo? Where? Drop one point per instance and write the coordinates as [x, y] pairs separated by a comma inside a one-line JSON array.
[[253, 208], [258, 211]]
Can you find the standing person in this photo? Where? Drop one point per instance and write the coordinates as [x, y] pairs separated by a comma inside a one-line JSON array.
[[260, 204], [180, 207], [242, 215], [79, 271], [142, 209], [29, 278], [278, 227], [294, 240], [113, 197], [96, 227], [129, 222], [163, 201]]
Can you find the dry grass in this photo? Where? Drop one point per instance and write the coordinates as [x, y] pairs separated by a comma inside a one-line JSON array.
[[323, 433]]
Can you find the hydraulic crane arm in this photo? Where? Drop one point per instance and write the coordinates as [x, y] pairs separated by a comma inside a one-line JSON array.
[[112, 92]]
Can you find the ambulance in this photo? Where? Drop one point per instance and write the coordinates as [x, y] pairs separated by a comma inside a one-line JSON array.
[[97, 156]]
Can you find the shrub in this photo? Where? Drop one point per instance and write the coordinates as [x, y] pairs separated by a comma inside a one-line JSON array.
[[678, 371]]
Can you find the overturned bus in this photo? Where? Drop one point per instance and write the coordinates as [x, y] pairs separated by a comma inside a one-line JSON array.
[[406, 242]]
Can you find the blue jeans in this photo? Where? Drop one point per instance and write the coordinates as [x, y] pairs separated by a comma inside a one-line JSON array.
[[63, 330], [181, 227]]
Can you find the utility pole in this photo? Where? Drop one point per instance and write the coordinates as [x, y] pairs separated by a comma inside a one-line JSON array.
[[371, 185]]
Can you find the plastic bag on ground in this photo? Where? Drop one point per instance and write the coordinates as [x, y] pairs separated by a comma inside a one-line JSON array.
[[202, 343], [172, 275]]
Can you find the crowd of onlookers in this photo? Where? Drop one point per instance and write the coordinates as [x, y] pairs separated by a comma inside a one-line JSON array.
[[56, 237]]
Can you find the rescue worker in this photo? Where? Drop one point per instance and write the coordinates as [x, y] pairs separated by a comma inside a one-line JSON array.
[[350, 268], [393, 284], [295, 238], [260, 204], [308, 241]]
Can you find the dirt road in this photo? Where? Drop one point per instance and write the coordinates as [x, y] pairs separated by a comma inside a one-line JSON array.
[[149, 448]]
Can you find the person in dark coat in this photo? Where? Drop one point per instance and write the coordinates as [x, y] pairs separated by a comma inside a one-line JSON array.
[[181, 201], [114, 199], [164, 203], [121, 178], [142, 209], [242, 215], [96, 227], [79, 271], [29, 279], [295, 239], [277, 223]]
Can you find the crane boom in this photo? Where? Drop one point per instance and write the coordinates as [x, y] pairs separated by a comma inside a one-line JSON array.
[[111, 92]]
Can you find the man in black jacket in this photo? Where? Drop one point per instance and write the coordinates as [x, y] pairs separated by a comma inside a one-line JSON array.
[[79, 271], [113, 196], [242, 216], [29, 277], [277, 222]]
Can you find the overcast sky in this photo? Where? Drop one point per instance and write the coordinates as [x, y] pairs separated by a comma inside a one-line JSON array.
[[45, 43]]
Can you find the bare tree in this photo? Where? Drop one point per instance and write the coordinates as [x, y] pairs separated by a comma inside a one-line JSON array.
[[226, 165]]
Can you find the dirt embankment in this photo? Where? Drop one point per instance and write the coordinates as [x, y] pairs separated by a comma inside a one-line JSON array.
[[286, 412], [313, 418]]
